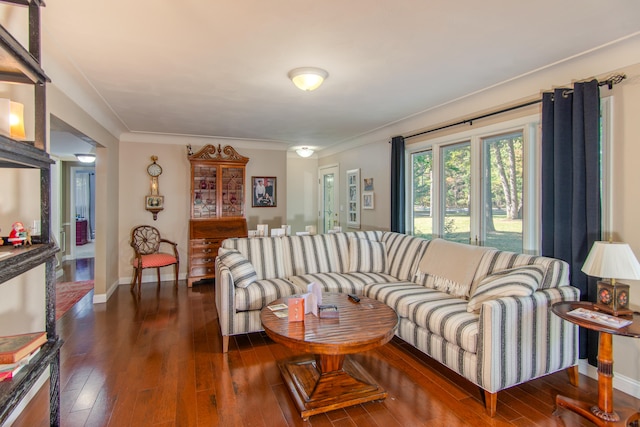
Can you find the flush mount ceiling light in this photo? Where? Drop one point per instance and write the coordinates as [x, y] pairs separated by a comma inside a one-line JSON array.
[[304, 152], [86, 158], [308, 78]]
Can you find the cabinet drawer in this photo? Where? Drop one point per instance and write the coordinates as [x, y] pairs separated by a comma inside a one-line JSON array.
[[205, 242], [196, 271], [207, 261]]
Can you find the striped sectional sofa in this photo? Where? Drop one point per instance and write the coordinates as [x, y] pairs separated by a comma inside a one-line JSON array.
[[498, 333]]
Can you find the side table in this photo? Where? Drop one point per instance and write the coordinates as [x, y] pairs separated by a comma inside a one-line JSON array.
[[603, 413]]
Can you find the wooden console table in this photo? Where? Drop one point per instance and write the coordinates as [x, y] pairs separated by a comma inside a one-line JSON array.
[[326, 379], [603, 413]]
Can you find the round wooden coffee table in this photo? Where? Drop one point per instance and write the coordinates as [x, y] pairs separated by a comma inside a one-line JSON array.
[[328, 379]]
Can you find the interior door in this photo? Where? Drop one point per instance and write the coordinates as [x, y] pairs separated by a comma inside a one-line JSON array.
[[329, 182]]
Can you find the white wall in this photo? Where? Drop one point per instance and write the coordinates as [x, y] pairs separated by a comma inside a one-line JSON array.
[[302, 191]]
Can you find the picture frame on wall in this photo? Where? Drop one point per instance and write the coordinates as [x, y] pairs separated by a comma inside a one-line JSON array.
[[367, 200], [263, 191], [353, 198]]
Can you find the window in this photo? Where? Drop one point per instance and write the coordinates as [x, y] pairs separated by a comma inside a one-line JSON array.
[[478, 187], [502, 191]]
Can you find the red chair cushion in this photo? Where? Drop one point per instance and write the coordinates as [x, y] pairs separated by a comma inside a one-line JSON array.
[[155, 260]]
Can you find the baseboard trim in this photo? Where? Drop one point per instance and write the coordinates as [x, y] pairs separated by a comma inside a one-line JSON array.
[[620, 382]]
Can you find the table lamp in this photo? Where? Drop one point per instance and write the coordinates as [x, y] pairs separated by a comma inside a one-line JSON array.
[[612, 260]]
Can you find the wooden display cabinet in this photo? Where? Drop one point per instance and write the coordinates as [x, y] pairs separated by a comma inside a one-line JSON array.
[[217, 206]]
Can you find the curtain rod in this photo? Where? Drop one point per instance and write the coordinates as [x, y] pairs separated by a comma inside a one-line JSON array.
[[609, 82]]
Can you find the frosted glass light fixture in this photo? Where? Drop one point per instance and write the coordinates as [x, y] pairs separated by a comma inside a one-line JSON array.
[[308, 78], [304, 152], [86, 158]]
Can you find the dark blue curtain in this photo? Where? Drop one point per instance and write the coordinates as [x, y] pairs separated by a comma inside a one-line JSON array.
[[398, 217], [571, 186]]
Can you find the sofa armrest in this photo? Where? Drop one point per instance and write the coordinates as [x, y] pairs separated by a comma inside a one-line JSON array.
[[225, 298], [520, 338]]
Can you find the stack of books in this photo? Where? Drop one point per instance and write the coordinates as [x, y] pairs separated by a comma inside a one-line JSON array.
[[16, 351]]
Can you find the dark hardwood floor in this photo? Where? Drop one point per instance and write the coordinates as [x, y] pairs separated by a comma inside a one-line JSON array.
[[156, 360]]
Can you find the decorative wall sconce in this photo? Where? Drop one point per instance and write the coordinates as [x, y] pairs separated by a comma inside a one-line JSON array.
[[12, 119]]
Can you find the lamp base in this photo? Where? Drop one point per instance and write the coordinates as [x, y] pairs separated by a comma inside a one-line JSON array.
[[613, 312]]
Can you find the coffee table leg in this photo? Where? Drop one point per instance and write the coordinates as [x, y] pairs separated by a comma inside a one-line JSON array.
[[326, 382]]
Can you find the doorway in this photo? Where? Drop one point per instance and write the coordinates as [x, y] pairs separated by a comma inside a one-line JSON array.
[[329, 182], [73, 191]]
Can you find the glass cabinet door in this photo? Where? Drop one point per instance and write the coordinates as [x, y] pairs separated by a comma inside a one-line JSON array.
[[232, 192], [204, 192]]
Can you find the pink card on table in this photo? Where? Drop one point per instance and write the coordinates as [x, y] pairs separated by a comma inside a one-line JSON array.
[[296, 309]]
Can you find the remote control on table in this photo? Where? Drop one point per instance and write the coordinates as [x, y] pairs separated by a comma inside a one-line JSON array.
[[354, 297]]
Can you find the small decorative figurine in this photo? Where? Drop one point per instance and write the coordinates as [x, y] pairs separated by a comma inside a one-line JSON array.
[[19, 235]]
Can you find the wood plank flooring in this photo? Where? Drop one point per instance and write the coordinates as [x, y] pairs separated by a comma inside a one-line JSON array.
[[156, 360]]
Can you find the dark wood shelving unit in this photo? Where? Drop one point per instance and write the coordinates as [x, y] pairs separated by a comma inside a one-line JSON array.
[[22, 66]]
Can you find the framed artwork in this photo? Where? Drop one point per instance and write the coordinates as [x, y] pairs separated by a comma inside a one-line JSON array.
[[264, 192], [368, 184], [154, 202], [367, 200], [353, 198]]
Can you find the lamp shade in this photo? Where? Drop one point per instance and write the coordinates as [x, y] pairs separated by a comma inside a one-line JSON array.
[[612, 260], [308, 78], [304, 152]]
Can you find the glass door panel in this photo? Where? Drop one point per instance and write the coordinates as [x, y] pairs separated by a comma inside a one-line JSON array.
[[502, 191], [422, 167], [329, 183], [204, 194], [456, 192], [232, 192]]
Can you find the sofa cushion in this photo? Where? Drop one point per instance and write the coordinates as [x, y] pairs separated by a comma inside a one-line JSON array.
[[446, 316], [367, 256], [518, 281], [310, 254], [556, 271], [265, 254], [400, 295], [403, 254], [242, 271], [331, 282], [262, 292]]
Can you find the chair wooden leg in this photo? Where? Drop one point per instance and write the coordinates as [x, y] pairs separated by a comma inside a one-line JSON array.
[[573, 373], [490, 403], [176, 270], [134, 278], [139, 280], [158, 273], [225, 343]]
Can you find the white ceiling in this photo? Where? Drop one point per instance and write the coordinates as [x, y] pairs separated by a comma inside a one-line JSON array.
[[219, 67]]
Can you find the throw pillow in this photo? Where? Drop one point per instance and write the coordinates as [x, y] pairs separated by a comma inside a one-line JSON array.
[[519, 281], [367, 256], [242, 271]]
